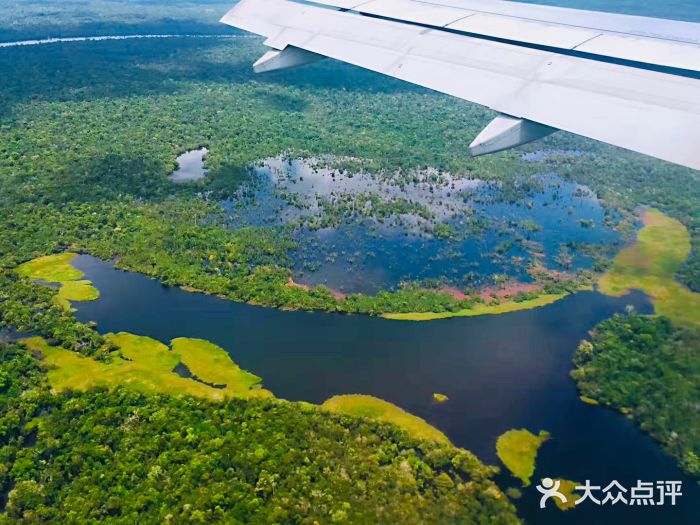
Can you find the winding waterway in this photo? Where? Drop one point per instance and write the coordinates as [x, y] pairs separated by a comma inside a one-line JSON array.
[[99, 38], [500, 372]]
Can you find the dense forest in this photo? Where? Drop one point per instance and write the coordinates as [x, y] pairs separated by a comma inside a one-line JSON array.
[[649, 369], [124, 457]]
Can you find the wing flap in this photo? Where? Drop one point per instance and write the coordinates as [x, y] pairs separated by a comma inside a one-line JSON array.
[[647, 50], [650, 41], [416, 12], [643, 26], [528, 31]]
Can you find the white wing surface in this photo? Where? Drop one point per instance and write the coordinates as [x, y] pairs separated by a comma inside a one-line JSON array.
[[633, 82]]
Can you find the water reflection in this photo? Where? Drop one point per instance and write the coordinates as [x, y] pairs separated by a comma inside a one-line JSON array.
[[365, 233], [190, 166]]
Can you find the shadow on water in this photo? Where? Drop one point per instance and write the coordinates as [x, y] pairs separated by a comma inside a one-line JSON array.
[[500, 372]]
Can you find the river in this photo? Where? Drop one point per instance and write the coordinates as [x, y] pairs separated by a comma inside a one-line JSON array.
[[500, 372], [99, 38]]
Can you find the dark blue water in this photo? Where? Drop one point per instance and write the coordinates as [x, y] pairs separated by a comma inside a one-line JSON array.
[[500, 372]]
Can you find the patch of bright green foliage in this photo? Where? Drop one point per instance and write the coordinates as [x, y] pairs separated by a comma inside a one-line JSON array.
[[78, 291], [517, 449], [146, 365], [374, 408], [51, 268], [589, 400], [58, 269], [651, 264], [212, 364], [503, 307]]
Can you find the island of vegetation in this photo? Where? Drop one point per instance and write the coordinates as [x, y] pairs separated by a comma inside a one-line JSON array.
[[567, 488], [649, 367], [517, 449], [440, 398]]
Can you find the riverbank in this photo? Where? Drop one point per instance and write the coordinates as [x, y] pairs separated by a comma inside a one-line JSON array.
[[507, 306]]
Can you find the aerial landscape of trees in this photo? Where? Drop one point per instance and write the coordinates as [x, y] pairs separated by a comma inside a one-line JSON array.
[[126, 457], [89, 133]]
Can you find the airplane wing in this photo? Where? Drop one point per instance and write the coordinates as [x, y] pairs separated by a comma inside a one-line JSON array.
[[630, 81]]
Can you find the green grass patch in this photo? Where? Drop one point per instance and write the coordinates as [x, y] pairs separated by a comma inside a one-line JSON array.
[[211, 363], [480, 309], [58, 269], [650, 265], [517, 449], [142, 364], [374, 408], [147, 352], [78, 291], [51, 268]]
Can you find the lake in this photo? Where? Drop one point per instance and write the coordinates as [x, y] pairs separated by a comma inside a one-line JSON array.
[[190, 166], [500, 372]]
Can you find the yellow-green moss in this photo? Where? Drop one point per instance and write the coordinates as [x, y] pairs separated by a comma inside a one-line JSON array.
[[58, 269], [51, 268], [517, 449], [374, 408], [650, 264], [142, 364], [211, 363], [480, 309]]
